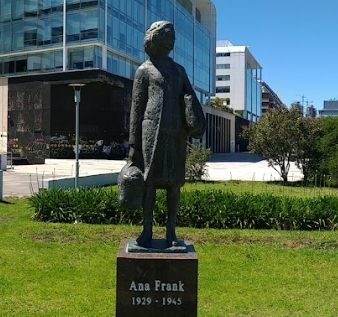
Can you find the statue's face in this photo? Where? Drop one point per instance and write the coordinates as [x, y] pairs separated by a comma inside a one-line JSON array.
[[168, 37], [159, 39]]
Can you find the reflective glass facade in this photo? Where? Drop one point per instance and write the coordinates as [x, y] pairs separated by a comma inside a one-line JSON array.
[[46, 35], [253, 95]]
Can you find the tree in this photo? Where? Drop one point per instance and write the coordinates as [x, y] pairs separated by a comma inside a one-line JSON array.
[[283, 136], [274, 138], [328, 147], [307, 154], [217, 102], [221, 103]]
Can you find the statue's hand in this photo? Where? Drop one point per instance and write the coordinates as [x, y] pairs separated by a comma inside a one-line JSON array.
[[135, 156]]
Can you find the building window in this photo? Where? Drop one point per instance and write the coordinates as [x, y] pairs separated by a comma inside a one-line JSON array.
[[5, 13], [57, 5], [17, 36], [73, 27], [75, 58], [89, 25], [21, 66], [82, 25], [9, 67], [47, 61], [222, 54], [116, 65], [224, 89], [31, 8], [73, 5], [57, 34], [17, 9], [222, 66], [58, 59], [223, 77], [87, 57], [34, 63], [186, 4], [198, 15], [88, 3], [30, 37]]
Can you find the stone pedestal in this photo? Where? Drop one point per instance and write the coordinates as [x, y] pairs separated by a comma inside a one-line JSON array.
[[156, 284]]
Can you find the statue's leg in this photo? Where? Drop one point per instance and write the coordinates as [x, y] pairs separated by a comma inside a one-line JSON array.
[[173, 196], [146, 236]]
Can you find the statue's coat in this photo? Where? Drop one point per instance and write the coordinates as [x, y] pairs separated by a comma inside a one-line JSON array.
[[158, 123]]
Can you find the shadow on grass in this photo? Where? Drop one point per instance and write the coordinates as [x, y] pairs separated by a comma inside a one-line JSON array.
[[6, 202]]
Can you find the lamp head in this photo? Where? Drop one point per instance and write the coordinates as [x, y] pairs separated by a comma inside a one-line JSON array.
[[77, 91], [76, 86]]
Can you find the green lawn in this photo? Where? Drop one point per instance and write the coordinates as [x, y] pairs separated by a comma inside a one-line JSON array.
[[275, 188], [69, 270]]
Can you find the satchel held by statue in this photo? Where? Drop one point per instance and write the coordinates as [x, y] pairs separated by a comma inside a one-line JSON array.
[[131, 187]]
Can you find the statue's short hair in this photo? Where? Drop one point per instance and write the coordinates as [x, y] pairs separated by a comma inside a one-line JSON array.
[[156, 41]]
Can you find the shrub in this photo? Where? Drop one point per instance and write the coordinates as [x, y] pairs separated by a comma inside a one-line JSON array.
[[197, 157], [199, 209]]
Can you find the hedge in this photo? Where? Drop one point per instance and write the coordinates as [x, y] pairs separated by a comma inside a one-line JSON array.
[[199, 209]]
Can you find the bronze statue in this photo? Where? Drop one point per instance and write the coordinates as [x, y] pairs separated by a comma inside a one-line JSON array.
[[165, 112]]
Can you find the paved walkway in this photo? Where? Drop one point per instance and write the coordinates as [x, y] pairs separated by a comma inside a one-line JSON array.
[[246, 167], [22, 180]]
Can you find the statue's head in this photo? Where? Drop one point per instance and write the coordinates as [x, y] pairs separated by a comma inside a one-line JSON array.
[[159, 39]]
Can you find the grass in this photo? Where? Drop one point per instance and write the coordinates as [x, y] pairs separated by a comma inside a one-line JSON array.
[[69, 270]]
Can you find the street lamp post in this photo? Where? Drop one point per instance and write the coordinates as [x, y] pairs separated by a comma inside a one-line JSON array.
[[77, 99]]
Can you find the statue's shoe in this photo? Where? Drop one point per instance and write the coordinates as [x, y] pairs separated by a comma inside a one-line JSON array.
[[171, 239], [145, 238]]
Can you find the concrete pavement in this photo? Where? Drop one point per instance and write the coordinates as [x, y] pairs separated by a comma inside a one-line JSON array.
[[22, 180], [245, 167]]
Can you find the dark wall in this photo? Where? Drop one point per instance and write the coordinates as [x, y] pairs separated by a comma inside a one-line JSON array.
[[240, 125], [29, 121], [29, 108], [42, 106], [104, 111]]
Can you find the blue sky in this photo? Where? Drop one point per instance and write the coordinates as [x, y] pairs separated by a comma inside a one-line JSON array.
[[295, 41]]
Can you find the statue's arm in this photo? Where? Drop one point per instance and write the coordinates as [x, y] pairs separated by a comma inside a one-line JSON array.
[[139, 101], [194, 115]]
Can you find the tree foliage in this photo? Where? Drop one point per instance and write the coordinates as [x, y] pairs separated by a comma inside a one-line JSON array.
[[196, 161], [221, 103], [328, 147], [282, 136], [307, 154], [217, 102]]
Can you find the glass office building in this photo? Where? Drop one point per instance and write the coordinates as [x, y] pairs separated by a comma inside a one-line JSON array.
[[43, 36]]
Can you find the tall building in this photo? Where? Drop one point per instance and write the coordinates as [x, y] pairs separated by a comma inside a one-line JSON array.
[[52, 35], [311, 111], [330, 108], [47, 44], [298, 106], [238, 79], [270, 99]]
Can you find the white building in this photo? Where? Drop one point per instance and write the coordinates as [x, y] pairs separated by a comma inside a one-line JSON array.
[[238, 77]]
